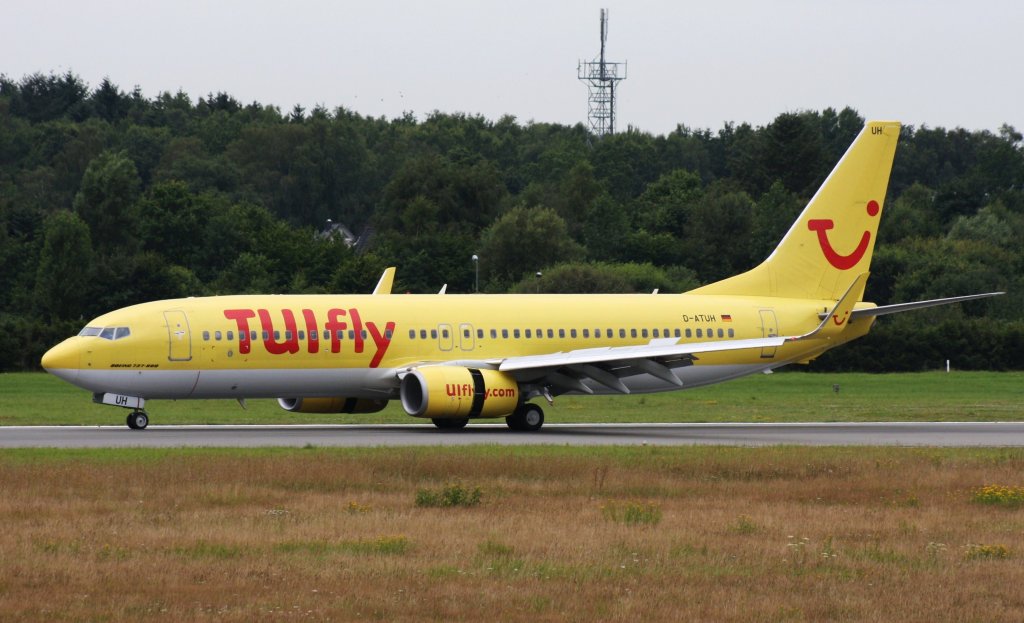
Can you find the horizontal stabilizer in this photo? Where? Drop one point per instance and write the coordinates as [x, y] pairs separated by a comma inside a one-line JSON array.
[[902, 307]]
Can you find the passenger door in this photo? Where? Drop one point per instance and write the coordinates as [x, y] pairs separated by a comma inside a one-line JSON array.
[[179, 336], [769, 328]]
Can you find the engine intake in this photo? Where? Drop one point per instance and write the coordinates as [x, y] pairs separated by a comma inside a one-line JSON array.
[[457, 392], [332, 405]]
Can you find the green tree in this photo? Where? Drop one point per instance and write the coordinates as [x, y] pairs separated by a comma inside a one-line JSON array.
[[106, 202], [525, 240], [65, 263], [603, 277]]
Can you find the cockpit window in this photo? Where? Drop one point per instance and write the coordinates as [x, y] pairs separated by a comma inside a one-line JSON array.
[[107, 333]]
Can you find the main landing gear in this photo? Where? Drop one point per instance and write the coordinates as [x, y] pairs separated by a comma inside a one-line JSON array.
[[527, 417], [138, 420]]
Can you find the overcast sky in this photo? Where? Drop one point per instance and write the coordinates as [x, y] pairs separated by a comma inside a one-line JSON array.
[[934, 62]]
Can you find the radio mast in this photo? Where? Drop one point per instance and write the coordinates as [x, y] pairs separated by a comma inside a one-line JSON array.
[[601, 77]]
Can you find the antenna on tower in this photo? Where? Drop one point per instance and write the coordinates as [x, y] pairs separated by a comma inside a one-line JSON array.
[[601, 77]]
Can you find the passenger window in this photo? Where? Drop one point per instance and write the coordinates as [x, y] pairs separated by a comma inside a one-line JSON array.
[[216, 335], [206, 336], [302, 335], [288, 335], [252, 335], [721, 333], [312, 335], [231, 336], [341, 334], [515, 333], [504, 333], [677, 333], [540, 333], [494, 334], [643, 332], [388, 333], [561, 333], [479, 334], [423, 334], [711, 332], [572, 333], [688, 333], [586, 332], [622, 333], [632, 333], [465, 333], [363, 333], [433, 334], [444, 333], [412, 334], [656, 333], [277, 336], [731, 333], [351, 334], [551, 333], [529, 334], [700, 333]]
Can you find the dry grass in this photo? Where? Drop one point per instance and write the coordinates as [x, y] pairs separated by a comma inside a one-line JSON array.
[[760, 534]]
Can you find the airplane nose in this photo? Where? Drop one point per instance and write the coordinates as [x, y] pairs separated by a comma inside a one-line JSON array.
[[63, 360]]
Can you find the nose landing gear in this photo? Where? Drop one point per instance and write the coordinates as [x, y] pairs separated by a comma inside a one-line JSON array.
[[138, 420]]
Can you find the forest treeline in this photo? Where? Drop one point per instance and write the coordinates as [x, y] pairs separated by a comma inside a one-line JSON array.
[[109, 198]]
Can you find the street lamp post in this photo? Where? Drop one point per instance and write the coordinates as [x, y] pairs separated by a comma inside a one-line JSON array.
[[476, 270]]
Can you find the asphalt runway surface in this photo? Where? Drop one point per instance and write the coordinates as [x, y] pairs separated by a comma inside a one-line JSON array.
[[944, 434]]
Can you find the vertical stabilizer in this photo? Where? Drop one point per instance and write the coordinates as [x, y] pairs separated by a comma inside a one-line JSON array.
[[833, 239]]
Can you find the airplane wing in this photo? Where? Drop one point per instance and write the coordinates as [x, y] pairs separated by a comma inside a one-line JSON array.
[[658, 357], [387, 279], [607, 365]]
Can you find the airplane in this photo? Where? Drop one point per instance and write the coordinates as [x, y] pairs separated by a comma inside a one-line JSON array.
[[451, 358]]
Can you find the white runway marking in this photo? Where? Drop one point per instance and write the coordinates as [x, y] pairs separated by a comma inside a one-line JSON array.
[[945, 434]]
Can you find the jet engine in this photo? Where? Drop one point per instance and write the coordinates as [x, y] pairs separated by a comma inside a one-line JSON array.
[[332, 405], [441, 392]]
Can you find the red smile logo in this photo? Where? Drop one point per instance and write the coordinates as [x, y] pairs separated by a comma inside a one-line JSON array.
[[842, 262]]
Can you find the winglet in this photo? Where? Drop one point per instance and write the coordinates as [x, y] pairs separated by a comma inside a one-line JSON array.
[[836, 320], [386, 281]]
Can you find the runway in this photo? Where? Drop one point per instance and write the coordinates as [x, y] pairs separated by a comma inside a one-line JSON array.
[[944, 434]]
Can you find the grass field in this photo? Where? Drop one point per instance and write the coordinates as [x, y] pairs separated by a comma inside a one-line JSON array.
[[37, 398], [558, 534]]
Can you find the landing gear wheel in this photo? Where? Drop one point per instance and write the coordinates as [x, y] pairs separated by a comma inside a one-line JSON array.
[[528, 418], [138, 420], [450, 423]]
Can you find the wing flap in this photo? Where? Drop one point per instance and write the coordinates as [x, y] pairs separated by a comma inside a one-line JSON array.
[[625, 354]]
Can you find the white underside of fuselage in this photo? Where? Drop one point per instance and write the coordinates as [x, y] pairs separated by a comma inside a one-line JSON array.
[[342, 382]]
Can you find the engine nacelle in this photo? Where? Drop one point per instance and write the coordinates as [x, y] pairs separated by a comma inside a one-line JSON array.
[[332, 405], [457, 392]]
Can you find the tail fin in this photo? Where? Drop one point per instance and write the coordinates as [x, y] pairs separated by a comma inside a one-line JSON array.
[[834, 236]]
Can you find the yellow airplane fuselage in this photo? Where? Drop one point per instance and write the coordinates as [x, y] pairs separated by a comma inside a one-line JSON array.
[[452, 358], [328, 345]]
